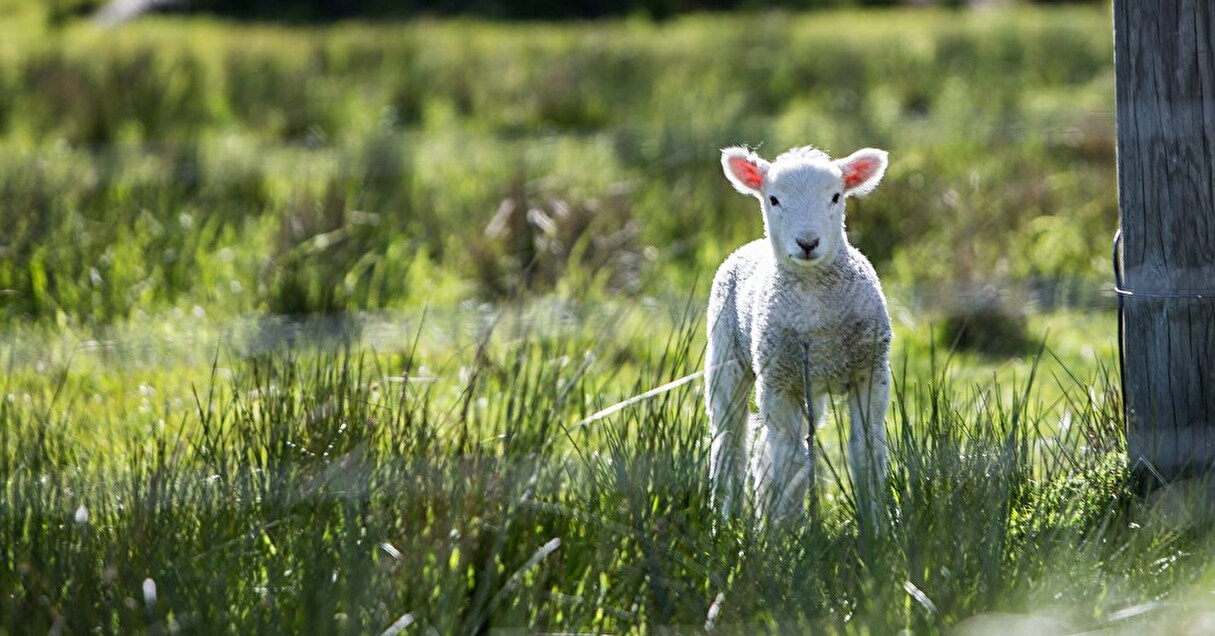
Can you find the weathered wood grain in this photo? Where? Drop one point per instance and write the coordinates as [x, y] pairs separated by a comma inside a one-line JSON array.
[[1165, 74]]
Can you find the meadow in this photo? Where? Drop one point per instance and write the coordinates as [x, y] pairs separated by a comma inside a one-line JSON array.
[[313, 329]]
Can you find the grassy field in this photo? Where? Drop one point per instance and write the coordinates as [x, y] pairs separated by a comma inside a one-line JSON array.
[[250, 169], [306, 330]]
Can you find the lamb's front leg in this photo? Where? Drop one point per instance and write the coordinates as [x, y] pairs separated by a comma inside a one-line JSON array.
[[780, 466], [728, 396], [868, 400]]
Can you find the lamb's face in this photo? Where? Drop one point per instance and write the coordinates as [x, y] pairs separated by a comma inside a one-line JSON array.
[[802, 195], [803, 204]]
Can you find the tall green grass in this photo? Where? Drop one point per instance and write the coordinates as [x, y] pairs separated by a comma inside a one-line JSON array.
[[330, 490]]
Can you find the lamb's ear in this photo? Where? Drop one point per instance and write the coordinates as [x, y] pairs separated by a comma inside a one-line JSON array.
[[745, 169], [862, 170]]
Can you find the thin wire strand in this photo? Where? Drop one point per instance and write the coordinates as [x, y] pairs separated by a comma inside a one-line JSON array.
[[1122, 292]]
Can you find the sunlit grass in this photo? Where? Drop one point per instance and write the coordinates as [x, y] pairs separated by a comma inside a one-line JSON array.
[[326, 487]]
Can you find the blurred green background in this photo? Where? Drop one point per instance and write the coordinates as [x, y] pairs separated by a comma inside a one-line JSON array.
[[328, 10], [181, 162]]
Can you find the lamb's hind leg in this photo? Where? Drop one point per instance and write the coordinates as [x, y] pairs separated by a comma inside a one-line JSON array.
[[868, 401], [729, 391]]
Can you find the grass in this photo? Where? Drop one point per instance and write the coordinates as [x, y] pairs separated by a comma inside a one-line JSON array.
[[299, 170], [305, 330], [328, 489]]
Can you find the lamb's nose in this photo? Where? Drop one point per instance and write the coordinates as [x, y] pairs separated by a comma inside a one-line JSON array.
[[807, 246]]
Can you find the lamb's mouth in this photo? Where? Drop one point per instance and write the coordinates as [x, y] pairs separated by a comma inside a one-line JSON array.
[[802, 261]]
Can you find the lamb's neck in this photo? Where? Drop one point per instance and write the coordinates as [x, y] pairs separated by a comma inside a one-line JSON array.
[[818, 277]]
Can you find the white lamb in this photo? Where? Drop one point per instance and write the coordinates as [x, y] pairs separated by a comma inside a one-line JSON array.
[[801, 289]]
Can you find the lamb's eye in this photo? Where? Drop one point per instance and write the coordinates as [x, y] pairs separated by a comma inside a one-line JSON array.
[[835, 198], [773, 201]]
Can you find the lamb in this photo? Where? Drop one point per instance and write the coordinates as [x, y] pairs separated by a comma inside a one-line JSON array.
[[800, 293]]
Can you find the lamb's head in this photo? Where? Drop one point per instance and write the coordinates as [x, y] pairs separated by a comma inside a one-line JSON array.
[[802, 195]]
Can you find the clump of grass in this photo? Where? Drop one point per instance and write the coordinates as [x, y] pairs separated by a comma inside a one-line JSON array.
[[534, 241], [984, 323]]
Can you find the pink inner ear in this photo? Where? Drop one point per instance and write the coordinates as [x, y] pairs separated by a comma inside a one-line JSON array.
[[858, 170], [747, 172]]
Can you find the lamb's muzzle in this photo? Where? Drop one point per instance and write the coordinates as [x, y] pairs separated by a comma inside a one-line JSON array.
[[808, 248]]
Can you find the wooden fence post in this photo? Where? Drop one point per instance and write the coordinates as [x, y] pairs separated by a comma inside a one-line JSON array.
[[1164, 53]]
